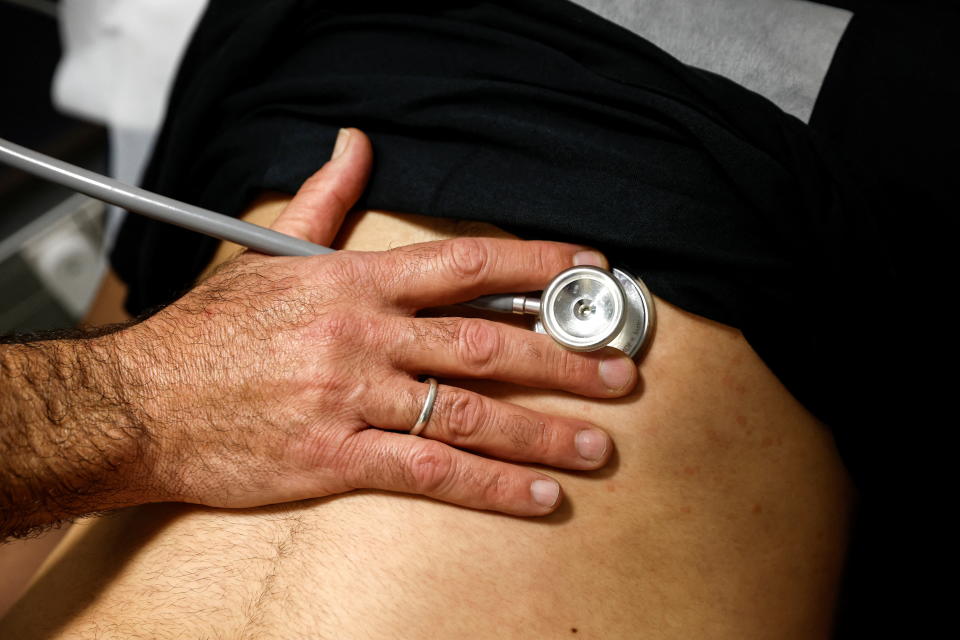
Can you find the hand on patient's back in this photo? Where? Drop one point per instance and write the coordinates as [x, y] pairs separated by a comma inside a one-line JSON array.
[[292, 378]]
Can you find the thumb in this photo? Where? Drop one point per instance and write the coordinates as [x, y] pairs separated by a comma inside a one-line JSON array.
[[317, 211]]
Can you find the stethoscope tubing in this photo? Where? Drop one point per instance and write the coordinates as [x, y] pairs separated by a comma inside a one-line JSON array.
[[155, 206], [181, 214]]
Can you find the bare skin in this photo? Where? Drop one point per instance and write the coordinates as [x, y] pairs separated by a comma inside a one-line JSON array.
[[724, 514]]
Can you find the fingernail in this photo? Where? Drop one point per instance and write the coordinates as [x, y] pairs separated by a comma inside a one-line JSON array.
[[616, 372], [343, 141], [545, 492], [592, 258], [591, 444]]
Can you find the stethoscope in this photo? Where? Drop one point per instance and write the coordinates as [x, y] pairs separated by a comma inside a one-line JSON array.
[[583, 309]]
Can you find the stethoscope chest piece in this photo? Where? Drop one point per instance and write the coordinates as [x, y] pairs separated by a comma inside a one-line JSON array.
[[586, 308]]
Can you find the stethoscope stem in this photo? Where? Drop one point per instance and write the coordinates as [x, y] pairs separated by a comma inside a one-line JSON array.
[[525, 305], [507, 303]]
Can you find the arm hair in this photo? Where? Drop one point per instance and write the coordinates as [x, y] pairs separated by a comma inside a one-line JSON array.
[[69, 443]]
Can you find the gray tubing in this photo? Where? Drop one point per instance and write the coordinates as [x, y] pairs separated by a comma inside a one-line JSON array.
[[156, 206], [181, 214]]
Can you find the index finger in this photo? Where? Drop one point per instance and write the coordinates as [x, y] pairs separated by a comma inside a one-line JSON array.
[[446, 272]]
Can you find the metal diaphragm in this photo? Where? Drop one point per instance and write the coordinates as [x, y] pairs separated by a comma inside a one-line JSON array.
[[586, 308], [583, 308]]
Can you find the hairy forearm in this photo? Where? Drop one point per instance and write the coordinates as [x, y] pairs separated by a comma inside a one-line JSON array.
[[69, 443]]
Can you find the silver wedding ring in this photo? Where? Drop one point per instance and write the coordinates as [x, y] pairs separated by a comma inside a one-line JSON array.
[[427, 408]]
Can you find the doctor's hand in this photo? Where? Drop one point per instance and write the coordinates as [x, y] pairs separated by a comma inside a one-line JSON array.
[[280, 379]]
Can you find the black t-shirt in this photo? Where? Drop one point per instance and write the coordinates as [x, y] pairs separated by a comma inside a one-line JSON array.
[[542, 118]]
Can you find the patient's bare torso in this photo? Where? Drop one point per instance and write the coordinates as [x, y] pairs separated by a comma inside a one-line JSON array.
[[723, 514]]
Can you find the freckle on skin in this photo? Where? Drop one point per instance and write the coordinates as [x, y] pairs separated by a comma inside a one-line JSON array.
[[685, 509], [742, 421], [767, 441], [757, 508], [611, 487], [691, 471]]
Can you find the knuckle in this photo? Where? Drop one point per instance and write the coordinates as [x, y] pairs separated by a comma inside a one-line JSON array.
[[347, 336], [479, 344], [543, 435], [333, 196], [334, 327], [465, 415], [569, 367], [496, 487], [386, 272], [431, 468], [362, 465], [355, 274], [348, 268], [465, 258], [341, 453], [345, 331], [527, 434], [543, 258], [372, 331]]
